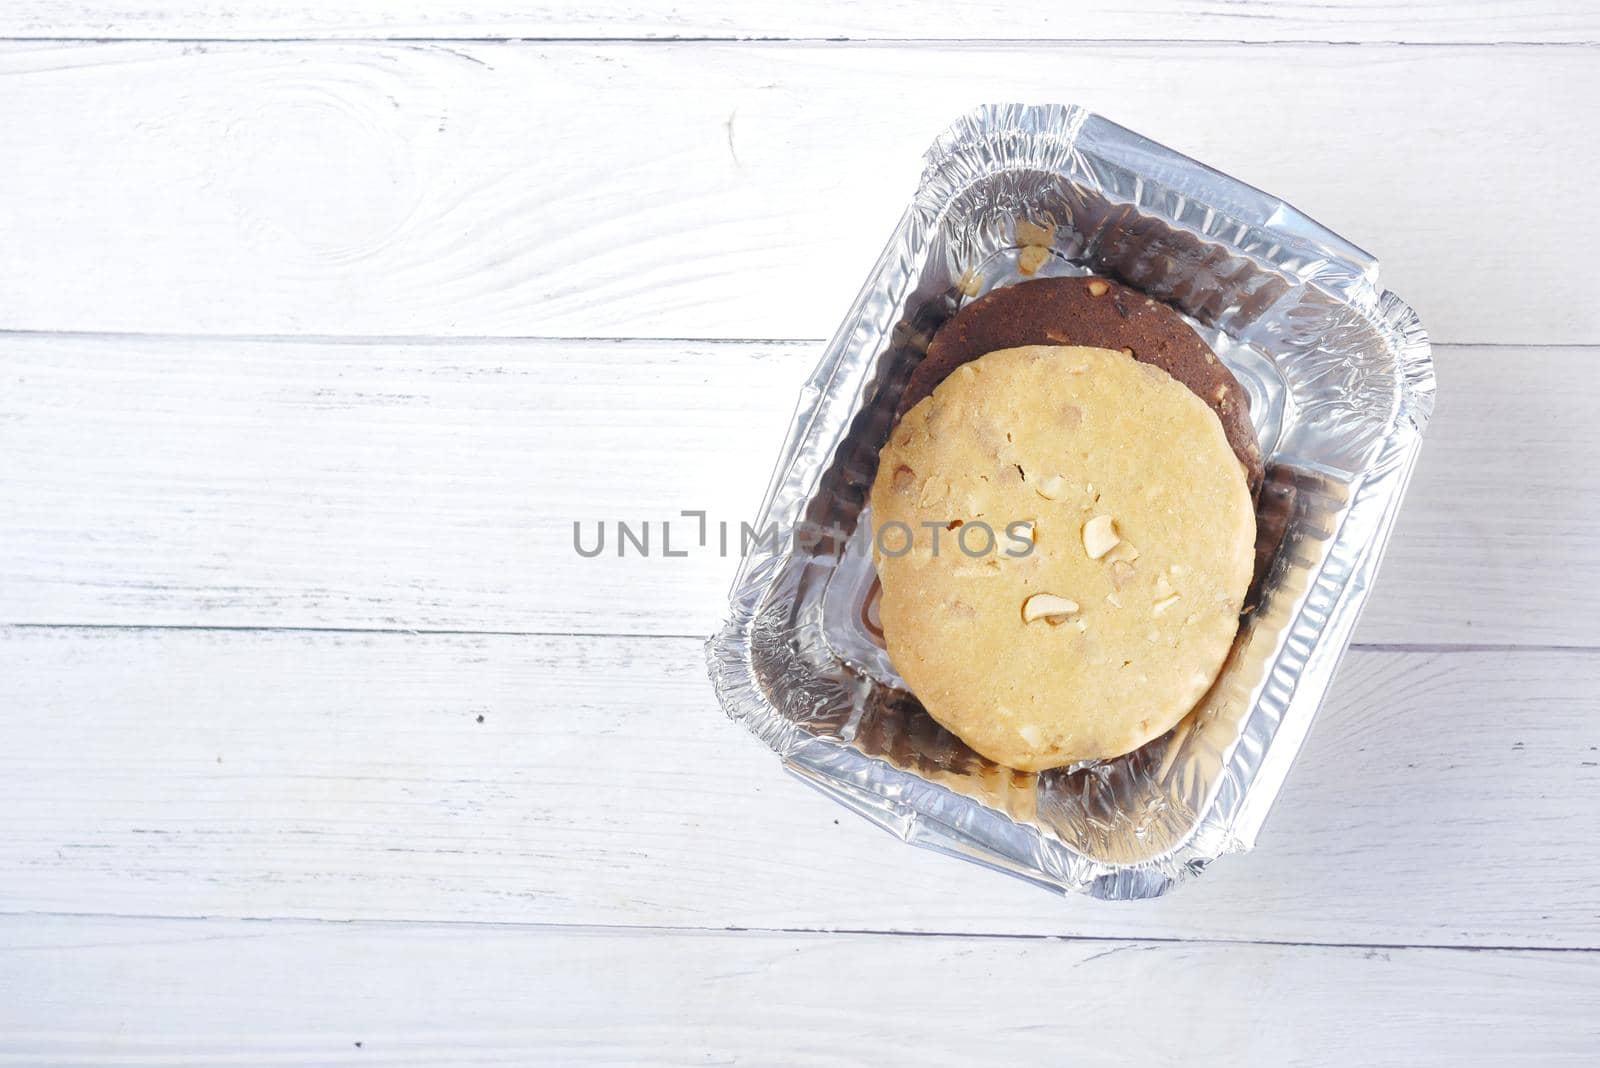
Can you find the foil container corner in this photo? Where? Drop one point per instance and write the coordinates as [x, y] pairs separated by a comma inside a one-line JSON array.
[[1340, 378]]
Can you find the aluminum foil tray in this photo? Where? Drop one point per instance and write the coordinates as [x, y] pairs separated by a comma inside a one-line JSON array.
[[1340, 377]]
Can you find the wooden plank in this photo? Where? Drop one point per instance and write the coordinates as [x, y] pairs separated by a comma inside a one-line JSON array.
[[260, 774], [431, 486], [107, 992], [1416, 21], [706, 190], [410, 485]]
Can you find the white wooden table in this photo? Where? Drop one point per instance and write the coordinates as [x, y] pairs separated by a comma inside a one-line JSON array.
[[320, 324]]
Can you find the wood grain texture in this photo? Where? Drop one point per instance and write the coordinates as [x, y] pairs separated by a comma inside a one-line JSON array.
[[434, 486], [83, 992], [576, 797], [710, 190], [261, 774], [1422, 21]]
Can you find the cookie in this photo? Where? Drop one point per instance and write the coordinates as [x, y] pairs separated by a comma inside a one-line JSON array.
[[1064, 539], [1098, 312]]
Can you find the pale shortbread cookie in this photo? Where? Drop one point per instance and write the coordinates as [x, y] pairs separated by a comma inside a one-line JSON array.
[[1113, 627]]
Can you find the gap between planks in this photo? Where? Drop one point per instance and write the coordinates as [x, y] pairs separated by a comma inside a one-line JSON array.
[[942, 21], [422, 632], [446, 340], [819, 932], [445, 40]]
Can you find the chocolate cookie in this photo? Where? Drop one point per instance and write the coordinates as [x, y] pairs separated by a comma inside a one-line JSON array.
[[1100, 313]]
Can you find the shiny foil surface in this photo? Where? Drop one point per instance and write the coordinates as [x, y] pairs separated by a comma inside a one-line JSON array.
[[1340, 378]]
